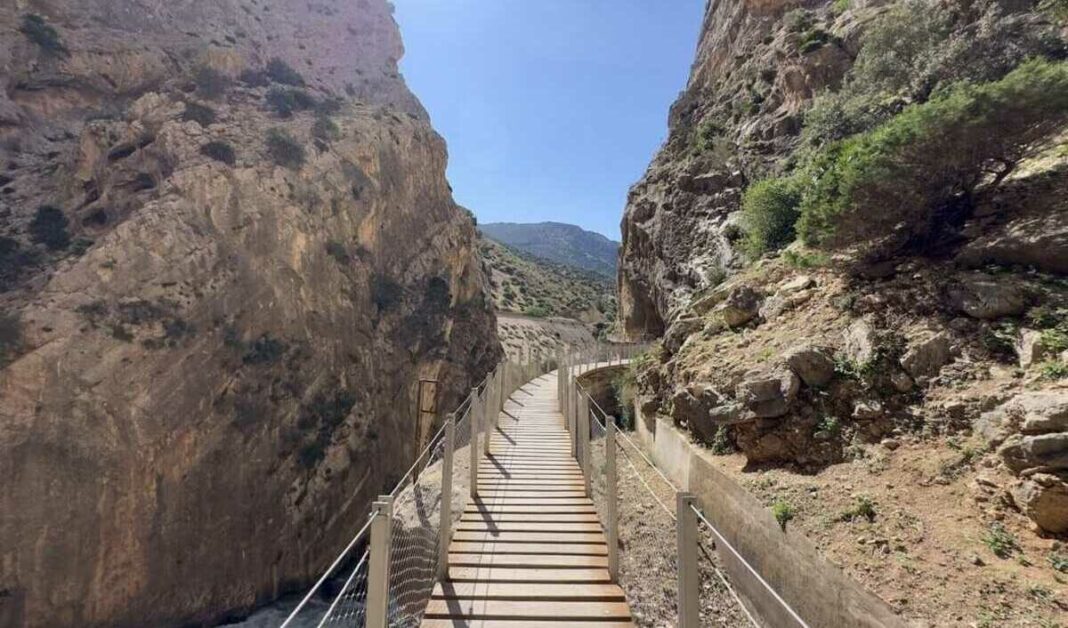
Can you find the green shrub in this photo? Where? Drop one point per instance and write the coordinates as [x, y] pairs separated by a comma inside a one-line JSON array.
[[536, 311], [863, 508], [311, 453], [386, 294], [814, 39], [219, 151], [783, 512], [721, 441], [1001, 541], [285, 101], [798, 20], [918, 46], [805, 259], [910, 177], [10, 335], [337, 251], [769, 212], [284, 150], [264, 350], [280, 72], [40, 32], [201, 114], [211, 83], [1058, 561], [325, 129], [254, 78], [49, 227], [1053, 369]]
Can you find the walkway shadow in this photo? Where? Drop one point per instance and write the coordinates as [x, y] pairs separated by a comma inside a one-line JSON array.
[[505, 435], [497, 464], [487, 516], [510, 416]]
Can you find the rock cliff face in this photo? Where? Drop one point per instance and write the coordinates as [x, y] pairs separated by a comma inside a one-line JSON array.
[[229, 254], [740, 111]]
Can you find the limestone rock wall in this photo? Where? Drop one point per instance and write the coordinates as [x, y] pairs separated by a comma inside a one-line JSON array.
[[202, 392]]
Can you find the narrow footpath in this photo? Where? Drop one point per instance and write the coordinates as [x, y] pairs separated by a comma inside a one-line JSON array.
[[529, 550]]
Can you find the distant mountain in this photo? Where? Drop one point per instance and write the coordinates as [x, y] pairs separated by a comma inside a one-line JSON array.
[[557, 242], [526, 284]]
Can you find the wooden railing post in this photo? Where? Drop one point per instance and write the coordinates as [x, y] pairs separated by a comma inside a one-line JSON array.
[[686, 527], [611, 497], [478, 408], [445, 518], [584, 438], [488, 424], [378, 567]]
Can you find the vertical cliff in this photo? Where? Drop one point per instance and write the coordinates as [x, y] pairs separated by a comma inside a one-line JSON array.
[[741, 111], [229, 254]]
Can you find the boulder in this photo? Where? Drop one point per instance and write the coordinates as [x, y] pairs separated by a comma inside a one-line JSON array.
[[1031, 349], [680, 330], [901, 381], [867, 410], [812, 364], [1040, 411], [797, 284], [1029, 454], [925, 357], [768, 394], [859, 344], [1044, 499], [780, 302], [690, 405], [1037, 412], [741, 306], [986, 297]]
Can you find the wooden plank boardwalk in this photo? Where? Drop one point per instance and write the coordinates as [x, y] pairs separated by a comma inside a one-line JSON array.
[[529, 550]]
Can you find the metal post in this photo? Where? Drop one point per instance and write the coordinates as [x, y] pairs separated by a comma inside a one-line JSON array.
[[611, 495], [573, 418], [584, 431], [478, 407], [686, 527], [378, 568], [445, 519], [487, 427]]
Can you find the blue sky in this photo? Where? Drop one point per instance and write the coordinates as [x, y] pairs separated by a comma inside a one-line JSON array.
[[551, 108]]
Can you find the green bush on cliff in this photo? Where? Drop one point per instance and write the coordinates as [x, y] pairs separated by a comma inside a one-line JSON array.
[[40, 32], [211, 83], [281, 72], [285, 101], [915, 174], [49, 227], [284, 149], [769, 212], [219, 151]]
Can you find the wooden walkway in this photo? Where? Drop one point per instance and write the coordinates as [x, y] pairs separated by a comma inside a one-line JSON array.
[[529, 551]]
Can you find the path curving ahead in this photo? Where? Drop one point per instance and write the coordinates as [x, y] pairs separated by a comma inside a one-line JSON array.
[[529, 550]]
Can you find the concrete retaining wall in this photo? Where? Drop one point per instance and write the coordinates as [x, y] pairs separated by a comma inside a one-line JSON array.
[[817, 590]]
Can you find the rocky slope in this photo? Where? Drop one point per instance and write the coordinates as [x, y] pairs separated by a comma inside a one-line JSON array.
[[907, 411], [557, 242], [210, 338]]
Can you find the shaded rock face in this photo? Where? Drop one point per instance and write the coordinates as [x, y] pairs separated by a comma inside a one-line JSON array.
[[219, 373], [680, 223]]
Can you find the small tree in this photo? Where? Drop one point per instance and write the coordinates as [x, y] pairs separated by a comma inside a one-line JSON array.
[[284, 149], [281, 72], [325, 129], [201, 114], [49, 227], [210, 82], [916, 174], [40, 32], [219, 151], [286, 101], [769, 212]]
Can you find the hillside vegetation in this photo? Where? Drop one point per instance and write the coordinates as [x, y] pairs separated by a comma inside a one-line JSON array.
[[524, 284], [558, 242]]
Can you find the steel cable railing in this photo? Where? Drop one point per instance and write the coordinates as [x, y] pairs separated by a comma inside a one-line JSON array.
[[406, 525], [644, 526]]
